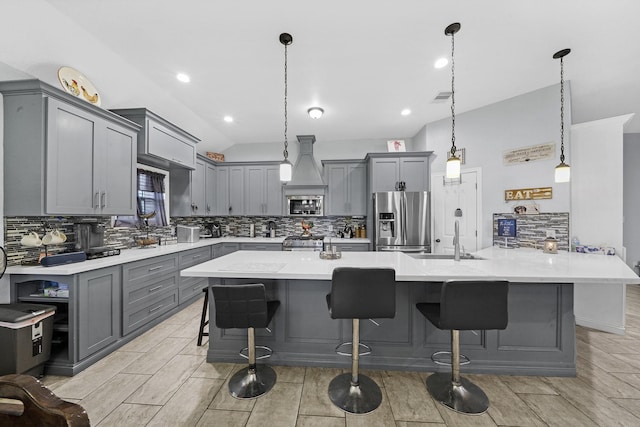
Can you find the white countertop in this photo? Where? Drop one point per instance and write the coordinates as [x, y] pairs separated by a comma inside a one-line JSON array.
[[137, 254], [516, 265]]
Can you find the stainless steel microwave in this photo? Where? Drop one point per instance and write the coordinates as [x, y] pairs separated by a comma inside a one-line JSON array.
[[305, 205]]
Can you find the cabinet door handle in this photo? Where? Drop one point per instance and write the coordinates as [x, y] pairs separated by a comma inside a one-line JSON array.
[[208, 208], [230, 209], [155, 268], [103, 199], [156, 288], [96, 200], [151, 310], [196, 256]]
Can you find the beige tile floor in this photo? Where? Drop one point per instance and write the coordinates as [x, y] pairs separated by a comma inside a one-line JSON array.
[[162, 378]]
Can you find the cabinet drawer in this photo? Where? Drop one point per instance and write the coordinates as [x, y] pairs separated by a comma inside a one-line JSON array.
[[148, 269], [356, 247], [148, 290], [190, 287], [143, 314], [261, 246], [193, 257]]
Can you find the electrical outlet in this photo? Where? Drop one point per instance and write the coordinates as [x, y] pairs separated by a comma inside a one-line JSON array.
[[551, 233], [331, 228]]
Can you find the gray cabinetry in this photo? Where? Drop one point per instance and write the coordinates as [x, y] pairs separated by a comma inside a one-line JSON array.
[[80, 159], [193, 192], [387, 169], [347, 187], [225, 248], [192, 286], [261, 246], [98, 310], [149, 289], [230, 190], [187, 191], [351, 247], [209, 189], [263, 190], [161, 143]]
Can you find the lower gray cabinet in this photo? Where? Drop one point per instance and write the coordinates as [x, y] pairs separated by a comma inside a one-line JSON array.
[[149, 289], [352, 247], [192, 286], [98, 310], [261, 246], [224, 249]]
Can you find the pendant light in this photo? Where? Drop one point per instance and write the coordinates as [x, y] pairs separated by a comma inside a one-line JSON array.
[[453, 162], [563, 171], [286, 167]]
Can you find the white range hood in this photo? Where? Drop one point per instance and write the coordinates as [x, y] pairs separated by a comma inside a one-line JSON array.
[[306, 178]]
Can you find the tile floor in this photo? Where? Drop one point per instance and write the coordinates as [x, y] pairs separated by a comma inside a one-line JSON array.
[[162, 378]]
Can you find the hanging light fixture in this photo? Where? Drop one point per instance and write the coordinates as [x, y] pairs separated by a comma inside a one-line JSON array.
[[285, 167], [453, 162], [563, 171]]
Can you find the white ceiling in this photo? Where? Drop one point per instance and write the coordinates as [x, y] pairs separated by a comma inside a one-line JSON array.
[[363, 61]]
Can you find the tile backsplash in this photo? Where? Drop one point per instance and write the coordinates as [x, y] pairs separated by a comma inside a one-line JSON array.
[[125, 237], [531, 230]]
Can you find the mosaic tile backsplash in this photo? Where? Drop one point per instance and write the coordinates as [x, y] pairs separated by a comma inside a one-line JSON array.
[[125, 237], [531, 230]]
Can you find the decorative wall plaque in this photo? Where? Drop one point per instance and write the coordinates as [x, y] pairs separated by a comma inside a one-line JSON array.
[[528, 154], [528, 194]]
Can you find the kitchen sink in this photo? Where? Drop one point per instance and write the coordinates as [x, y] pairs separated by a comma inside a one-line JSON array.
[[443, 256]]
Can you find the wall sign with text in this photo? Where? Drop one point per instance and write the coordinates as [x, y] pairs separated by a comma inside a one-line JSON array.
[[528, 194], [529, 154]]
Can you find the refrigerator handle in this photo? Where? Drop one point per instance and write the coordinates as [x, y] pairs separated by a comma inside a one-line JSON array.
[[404, 217]]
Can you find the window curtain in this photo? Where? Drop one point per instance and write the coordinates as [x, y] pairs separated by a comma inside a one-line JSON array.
[[151, 196]]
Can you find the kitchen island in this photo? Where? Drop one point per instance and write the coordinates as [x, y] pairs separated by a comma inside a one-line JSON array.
[[539, 340]]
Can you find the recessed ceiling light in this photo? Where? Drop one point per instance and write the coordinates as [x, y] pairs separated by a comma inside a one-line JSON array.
[[183, 77], [315, 112], [441, 63], [228, 119], [405, 112]]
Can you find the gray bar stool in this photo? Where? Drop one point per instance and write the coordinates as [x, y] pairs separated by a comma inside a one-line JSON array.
[[246, 306], [359, 293], [464, 305]]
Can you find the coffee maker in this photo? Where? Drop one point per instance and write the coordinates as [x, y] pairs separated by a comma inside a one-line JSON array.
[[90, 240]]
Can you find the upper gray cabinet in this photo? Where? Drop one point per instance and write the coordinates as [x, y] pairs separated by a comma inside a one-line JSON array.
[[262, 189], [387, 169], [193, 192], [230, 190], [161, 143], [64, 156], [347, 187]]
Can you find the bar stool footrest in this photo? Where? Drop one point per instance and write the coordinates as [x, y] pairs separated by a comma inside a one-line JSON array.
[[244, 353], [435, 358], [367, 349]]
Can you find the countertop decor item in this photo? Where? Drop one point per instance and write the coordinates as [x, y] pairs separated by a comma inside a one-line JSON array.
[[306, 228], [75, 83]]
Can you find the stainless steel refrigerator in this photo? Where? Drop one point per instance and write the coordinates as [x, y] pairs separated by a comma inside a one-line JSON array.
[[402, 221]]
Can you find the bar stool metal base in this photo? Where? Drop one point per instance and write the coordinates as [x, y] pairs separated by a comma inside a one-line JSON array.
[[355, 399], [464, 397], [249, 383]]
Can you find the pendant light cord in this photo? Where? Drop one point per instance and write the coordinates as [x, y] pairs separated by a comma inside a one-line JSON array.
[[561, 110], [453, 98], [286, 143]]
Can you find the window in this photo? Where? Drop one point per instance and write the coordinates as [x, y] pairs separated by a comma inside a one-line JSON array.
[[152, 195]]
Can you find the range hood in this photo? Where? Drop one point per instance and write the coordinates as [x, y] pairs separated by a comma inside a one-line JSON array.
[[306, 177]]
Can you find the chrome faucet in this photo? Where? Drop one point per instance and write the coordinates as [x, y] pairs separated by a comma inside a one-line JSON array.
[[456, 241]]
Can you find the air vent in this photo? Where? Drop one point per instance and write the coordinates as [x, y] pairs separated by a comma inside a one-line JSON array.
[[441, 97]]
